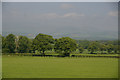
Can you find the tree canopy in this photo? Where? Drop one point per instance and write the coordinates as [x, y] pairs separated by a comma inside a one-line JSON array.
[[42, 42], [65, 45], [23, 45], [9, 43]]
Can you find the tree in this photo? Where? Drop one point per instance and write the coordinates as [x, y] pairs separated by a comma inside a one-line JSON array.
[[115, 48], [93, 47], [65, 45], [24, 44], [102, 47], [0, 44], [109, 48], [10, 43], [3, 42], [42, 42], [3, 45], [81, 49], [83, 43]]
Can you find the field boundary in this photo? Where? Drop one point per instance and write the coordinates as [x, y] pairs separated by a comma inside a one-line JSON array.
[[75, 56]]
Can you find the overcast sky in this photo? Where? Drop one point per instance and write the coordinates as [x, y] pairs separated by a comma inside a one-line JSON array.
[[60, 17]]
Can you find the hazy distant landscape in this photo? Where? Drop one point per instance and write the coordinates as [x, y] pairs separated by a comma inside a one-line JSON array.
[[77, 35]]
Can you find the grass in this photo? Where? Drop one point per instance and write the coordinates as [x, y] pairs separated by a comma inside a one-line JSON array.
[[53, 67]]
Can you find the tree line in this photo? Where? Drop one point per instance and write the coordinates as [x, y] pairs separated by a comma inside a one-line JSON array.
[[64, 45]]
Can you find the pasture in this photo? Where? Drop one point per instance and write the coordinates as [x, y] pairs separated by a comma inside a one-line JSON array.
[[54, 67]]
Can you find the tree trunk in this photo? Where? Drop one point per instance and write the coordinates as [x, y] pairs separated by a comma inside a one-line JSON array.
[[43, 52]]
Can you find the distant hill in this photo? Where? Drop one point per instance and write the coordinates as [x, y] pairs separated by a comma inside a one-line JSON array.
[[77, 35]]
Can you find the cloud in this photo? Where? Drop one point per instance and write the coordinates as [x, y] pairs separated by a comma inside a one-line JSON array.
[[46, 16], [50, 15], [73, 15], [115, 13], [43, 16], [57, 16], [66, 6]]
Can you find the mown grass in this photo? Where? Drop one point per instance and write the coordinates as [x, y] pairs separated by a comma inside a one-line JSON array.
[[54, 67]]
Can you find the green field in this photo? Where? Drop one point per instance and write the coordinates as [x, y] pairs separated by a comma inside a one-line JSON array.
[[54, 67]]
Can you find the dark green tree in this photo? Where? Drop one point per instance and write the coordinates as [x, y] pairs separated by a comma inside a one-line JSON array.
[[109, 48], [3, 42], [102, 47], [83, 43], [42, 42], [115, 48], [23, 44], [9, 44], [65, 45], [93, 46], [81, 49], [0, 44]]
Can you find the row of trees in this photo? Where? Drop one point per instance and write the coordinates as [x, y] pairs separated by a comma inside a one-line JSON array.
[[43, 42], [102, 46], [16, 44]]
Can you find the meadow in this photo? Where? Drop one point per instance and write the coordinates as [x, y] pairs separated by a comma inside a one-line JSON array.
[[58, 67]]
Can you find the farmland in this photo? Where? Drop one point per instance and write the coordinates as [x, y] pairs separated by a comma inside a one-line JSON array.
[[54, 67], [59, 40], [46, 57]]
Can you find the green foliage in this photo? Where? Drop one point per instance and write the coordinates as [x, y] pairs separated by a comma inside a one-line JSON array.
[[3, 42], [9, 43], [115, 48], [81, 49], [0, 40], [109, 48], [65, 45], [103, 47], [93, 46], [42, 43], [36, 52], [83, 43], [23, 45]]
